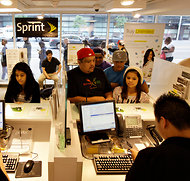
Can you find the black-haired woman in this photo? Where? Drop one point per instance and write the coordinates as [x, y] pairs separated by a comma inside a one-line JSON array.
[[148, 64], [22, 86]]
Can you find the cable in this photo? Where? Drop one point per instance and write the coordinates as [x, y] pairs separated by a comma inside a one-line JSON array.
[[35, 154]]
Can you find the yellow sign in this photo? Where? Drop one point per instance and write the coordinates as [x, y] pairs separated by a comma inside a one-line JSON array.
[[144, 31]]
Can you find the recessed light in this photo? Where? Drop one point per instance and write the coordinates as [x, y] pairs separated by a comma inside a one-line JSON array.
[[6, 2], [127, 2]]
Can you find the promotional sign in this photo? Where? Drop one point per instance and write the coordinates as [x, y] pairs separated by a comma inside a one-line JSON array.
[[170, 77], [14, 56], [139, 37], [72, 53], [33, 27]]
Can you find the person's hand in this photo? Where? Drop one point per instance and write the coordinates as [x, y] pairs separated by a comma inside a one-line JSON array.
[[95, 99], [48, 77], [113, 84], [109, 98], [54, 73], [134, 153], [19, 102]]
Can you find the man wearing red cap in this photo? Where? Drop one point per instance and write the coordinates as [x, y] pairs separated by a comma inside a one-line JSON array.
[[87, 83]]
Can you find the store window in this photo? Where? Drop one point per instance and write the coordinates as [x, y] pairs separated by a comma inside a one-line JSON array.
[[6, 32], [171, 25], [35, 46], [185, 28]]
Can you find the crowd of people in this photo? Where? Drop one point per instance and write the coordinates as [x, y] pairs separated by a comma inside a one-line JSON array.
[[94, 79]]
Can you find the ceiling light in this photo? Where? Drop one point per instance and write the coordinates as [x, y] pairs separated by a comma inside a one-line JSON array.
[[41, 16], [124, 9], [137, 15], [4, 10], [6, 2], [127, 2]]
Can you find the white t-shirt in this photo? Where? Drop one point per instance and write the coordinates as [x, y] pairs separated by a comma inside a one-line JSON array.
[[170, 54]]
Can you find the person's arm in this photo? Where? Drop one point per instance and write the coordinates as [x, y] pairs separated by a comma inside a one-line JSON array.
[[59, 69], [144, 87], [170, 50], [86, 99], [109, 95], [3, 168], [45, 73], [113, 85]]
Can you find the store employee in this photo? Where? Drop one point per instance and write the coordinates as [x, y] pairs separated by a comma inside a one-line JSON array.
[[169, 161], [87, 83]]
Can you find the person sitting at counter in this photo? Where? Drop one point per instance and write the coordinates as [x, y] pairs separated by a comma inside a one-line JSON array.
[[170, 160], [22, 86], [115, 73], [86, 82], [131, 92]]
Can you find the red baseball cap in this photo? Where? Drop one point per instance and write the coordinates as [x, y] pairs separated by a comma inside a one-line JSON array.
[[121, 42], [85, 52]]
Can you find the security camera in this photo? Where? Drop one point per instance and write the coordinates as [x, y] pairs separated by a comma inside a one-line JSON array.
[[96, 7]]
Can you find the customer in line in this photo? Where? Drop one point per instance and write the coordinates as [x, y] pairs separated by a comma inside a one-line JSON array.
[[121, 46], [42, 54], [4, 59], [49, 66], [115, 73], [131, 91], [86, 83], [170, 160], [99, 56], [22, 86], [28, 46]]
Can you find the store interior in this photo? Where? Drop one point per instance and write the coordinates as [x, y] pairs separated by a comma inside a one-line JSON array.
[[50, 133]]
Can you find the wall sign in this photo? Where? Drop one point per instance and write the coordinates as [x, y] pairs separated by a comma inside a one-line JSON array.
[[33, 27]]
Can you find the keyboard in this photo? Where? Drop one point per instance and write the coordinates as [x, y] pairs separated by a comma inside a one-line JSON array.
[[10, 161], [112, 163]]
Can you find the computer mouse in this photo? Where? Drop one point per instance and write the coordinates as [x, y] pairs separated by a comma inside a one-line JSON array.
[[28, 166]]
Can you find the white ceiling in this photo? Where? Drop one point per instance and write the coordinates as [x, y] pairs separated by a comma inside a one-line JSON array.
[[164, 7]]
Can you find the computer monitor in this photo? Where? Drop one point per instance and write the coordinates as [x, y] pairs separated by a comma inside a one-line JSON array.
[[97, 117], [2, 114]]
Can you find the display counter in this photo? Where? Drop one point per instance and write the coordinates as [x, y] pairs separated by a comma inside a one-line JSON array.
[[88, 171], [38, 117]]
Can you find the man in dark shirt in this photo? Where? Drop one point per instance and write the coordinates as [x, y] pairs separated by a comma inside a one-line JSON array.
[[170, 160], [87, 83], [49, 66]]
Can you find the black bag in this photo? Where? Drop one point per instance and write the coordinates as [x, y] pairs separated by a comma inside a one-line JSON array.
[[45, 93]]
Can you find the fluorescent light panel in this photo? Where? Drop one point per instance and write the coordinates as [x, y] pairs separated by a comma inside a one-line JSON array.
[[7, 10], [124, 9], [115, 6], [6, 2], [127, 2]]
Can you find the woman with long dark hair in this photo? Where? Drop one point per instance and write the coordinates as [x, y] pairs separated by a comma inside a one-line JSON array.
[[22, 85], [131, 91], [148, 64]]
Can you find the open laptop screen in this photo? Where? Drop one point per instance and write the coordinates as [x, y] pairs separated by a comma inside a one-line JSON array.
[[2, 115], [98, 116]]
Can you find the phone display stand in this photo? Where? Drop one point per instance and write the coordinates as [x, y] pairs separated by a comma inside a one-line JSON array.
[[35, 172]]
